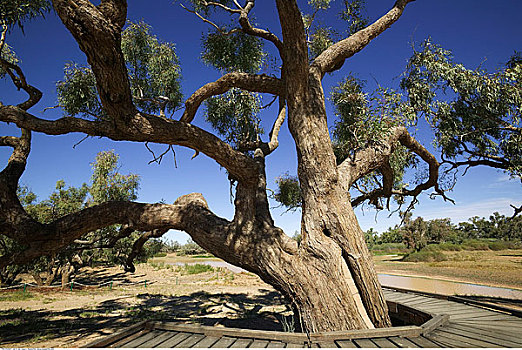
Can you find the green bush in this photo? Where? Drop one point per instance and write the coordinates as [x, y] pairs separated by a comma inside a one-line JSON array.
[[425, 256], [475, 244], [160, 255], [449, 247], [389, 248], [189, 269]]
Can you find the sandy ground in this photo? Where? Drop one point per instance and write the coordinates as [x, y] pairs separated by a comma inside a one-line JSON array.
[[56, 317]]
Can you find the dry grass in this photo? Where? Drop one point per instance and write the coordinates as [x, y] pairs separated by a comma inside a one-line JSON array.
[[496, 268]]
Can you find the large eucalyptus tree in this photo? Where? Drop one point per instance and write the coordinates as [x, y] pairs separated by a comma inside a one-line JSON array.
[[329, 277]]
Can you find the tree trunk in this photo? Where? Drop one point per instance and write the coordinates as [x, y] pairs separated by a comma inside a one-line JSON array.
[[341, 274]]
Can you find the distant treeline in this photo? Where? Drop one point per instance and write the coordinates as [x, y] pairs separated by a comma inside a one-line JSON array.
[[414, 235]]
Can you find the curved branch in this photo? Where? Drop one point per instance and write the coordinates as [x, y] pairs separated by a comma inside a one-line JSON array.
[[377, 158], [143, 128], [138, 246], [245, 81], [333, 58], [261, 33]]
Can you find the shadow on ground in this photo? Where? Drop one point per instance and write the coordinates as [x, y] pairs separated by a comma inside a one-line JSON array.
[[227, 309]]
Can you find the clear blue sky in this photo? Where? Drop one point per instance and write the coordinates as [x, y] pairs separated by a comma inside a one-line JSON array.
[[474, 30]]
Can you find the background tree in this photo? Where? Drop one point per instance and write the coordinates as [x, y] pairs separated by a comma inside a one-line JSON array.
[[317, 276]]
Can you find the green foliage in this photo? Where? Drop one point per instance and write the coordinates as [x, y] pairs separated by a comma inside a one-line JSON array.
[[194, 269], [319, 4], [482, 118], [15, 12], [77, 93], [236, 52], [191, 248], [425, 256], [352, 13], [108, 184], [321, 39], [288, 192], [414, 233], [389, 248], [154, 76], [234, 115], [199, 5], [370, 237], [153, 68], [9, 55], [297, 237]]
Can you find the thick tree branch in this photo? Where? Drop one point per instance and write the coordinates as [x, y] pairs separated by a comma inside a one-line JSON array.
[[333, 58], [143, 128], [245, 81], [98, 33], [295, 48], [187, 213]]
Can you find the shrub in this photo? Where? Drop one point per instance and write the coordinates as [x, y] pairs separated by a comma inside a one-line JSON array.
[[425, 256], [475, 244], [443, 247], [196, 268], [160, 255], [389, 248]]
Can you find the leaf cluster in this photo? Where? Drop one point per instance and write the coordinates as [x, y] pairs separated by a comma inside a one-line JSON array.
[[154, 75], [288, 192], [153, 67], [15, 12], [234, 115], [480, 115]]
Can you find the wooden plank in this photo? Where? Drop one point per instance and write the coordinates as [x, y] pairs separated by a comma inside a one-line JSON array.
[[403, 342], [124, 333], [259, 344], [434, 323], [206, 342], [242, 343], [498, 326], [275, 344], [327, 345], [224, 342], [175, 340], [159, 337], [139, 340], [486, 336], [464, 341], [190, 341], [384, 343], [346, 344], [505, 334], [423, 342], [296, 345], [289, 337], [365, 343]]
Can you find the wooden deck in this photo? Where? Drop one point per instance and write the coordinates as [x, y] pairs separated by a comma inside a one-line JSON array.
[[452, 323]]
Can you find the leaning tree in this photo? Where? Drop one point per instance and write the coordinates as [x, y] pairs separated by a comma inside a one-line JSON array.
[[329, 276]]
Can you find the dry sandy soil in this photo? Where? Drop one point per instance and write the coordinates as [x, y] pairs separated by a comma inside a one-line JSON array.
[[45, 317]]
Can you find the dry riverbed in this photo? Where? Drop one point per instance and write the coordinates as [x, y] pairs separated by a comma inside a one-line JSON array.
[[63, 318]]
